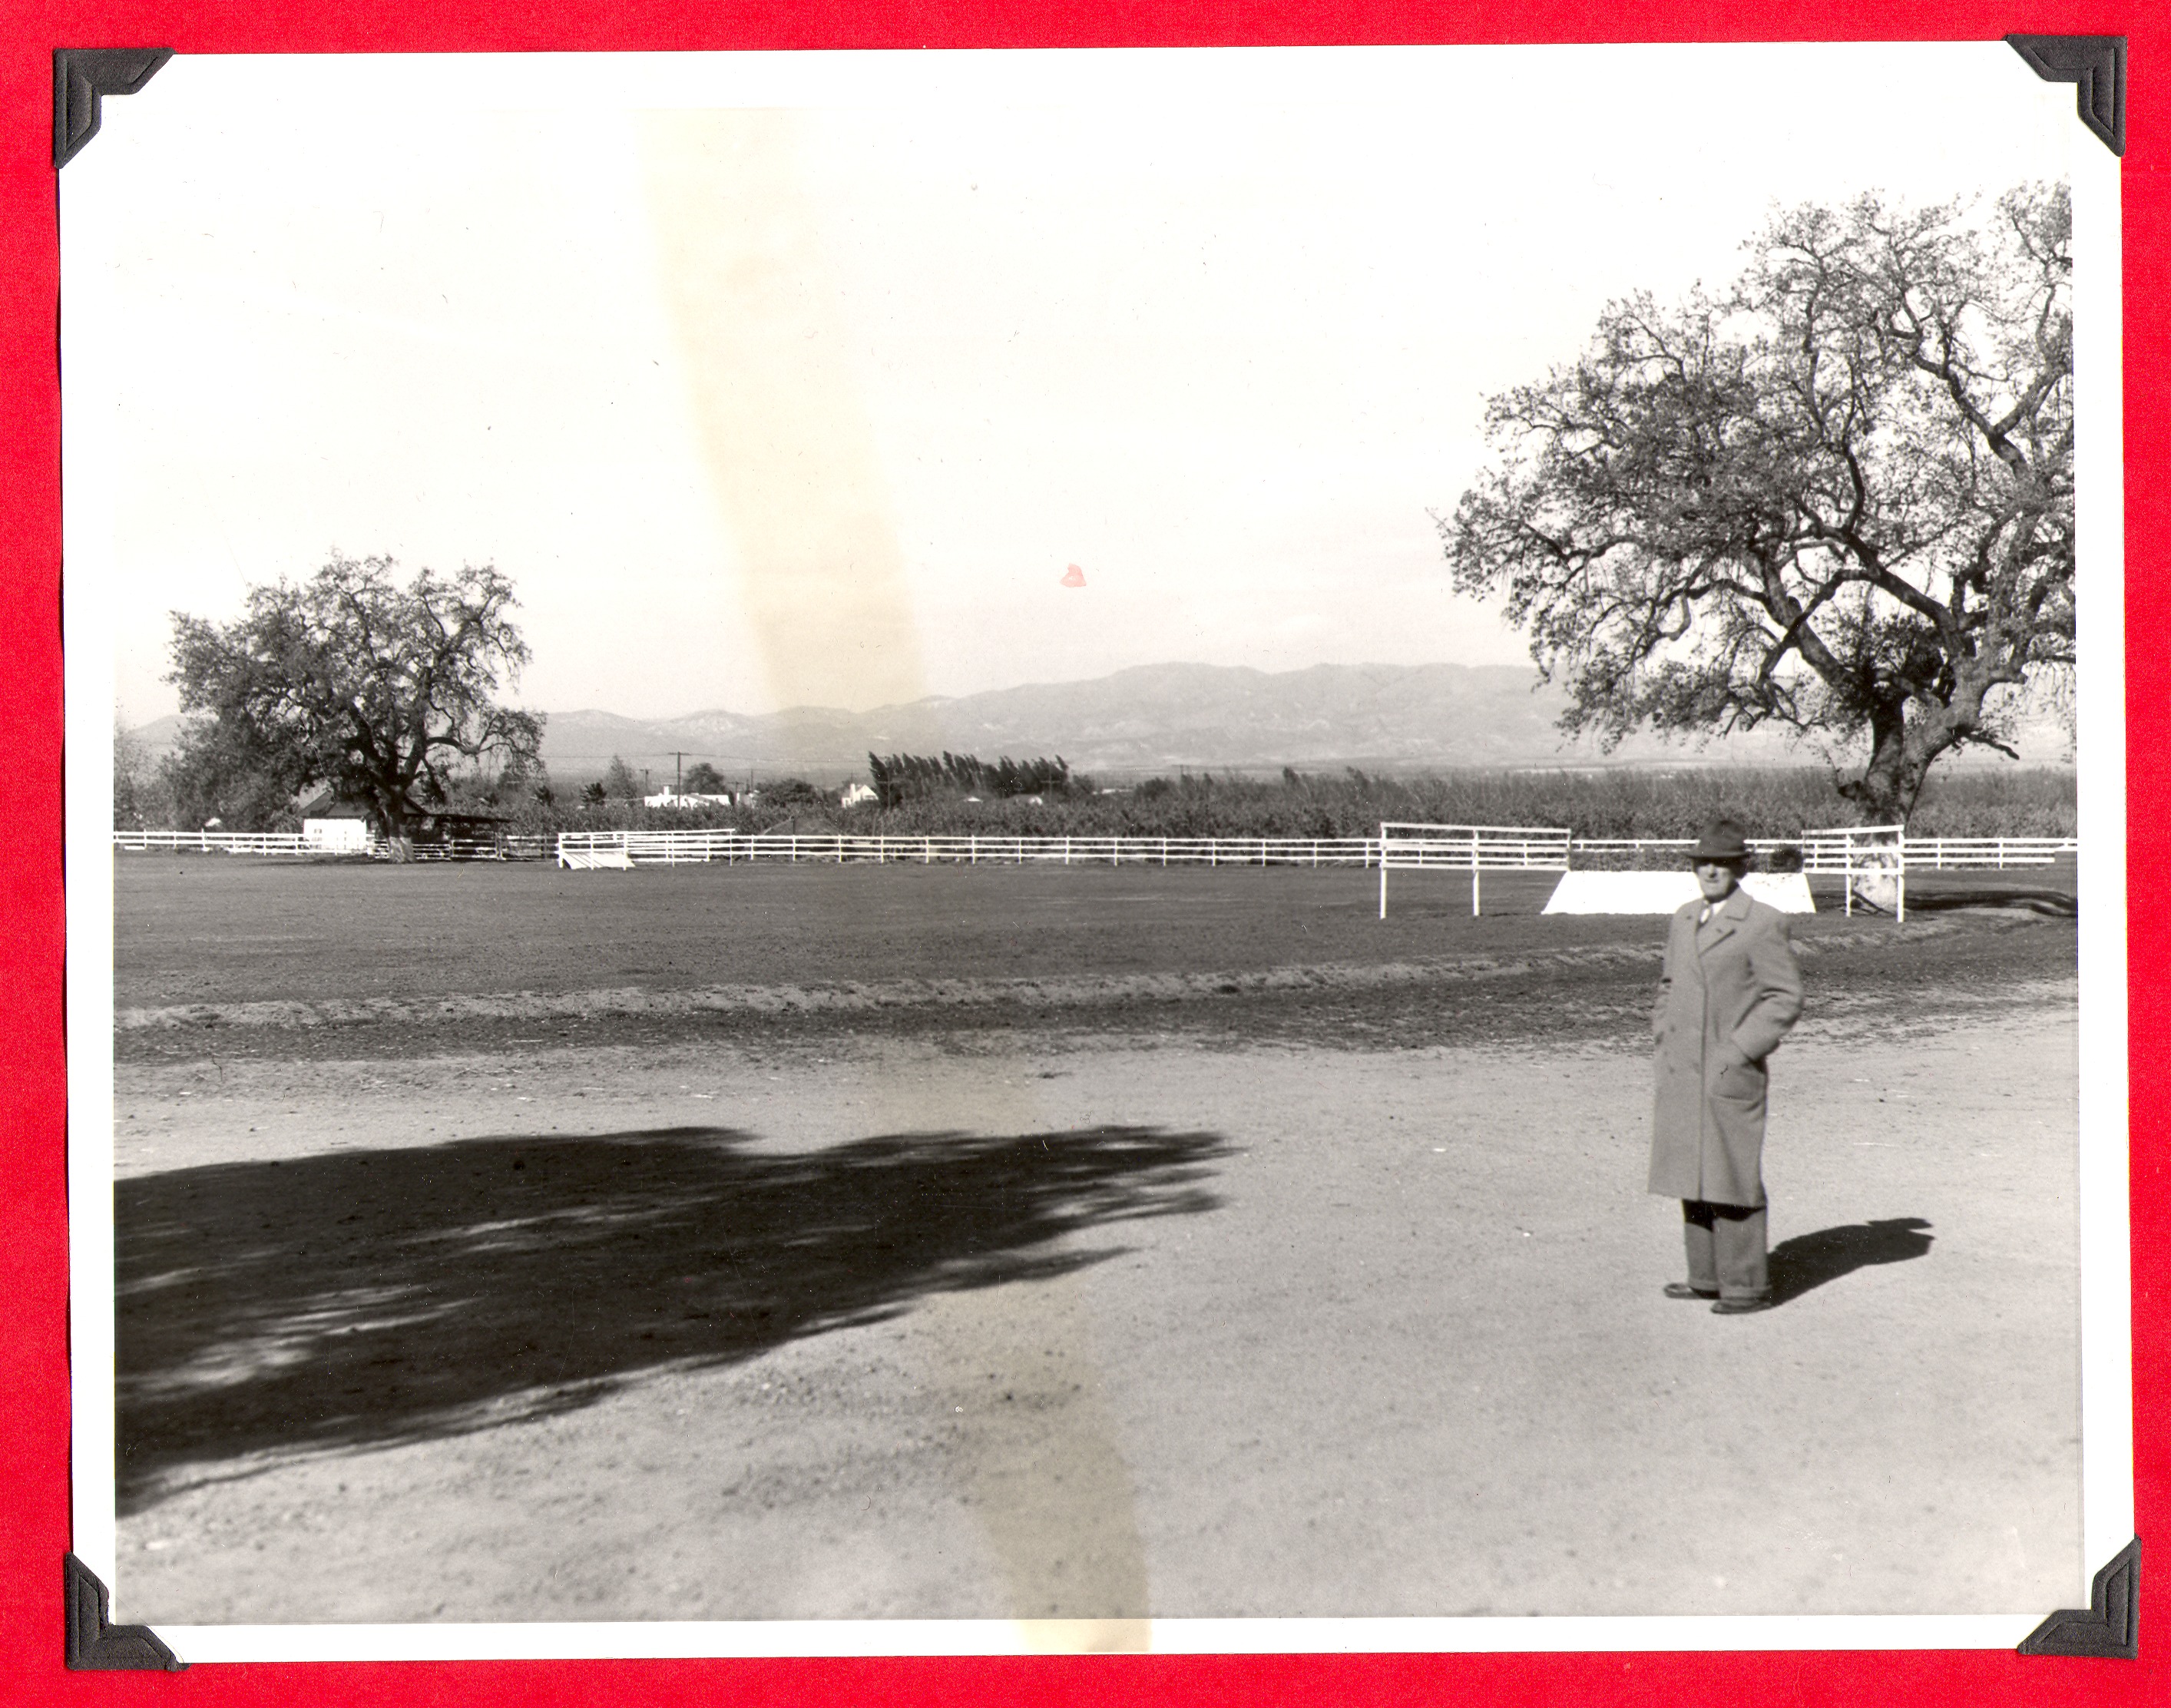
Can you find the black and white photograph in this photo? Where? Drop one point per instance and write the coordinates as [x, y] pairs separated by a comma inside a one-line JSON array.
[[1022, 851]]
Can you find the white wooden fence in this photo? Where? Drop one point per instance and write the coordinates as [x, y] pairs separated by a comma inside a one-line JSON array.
[[214, 842], [699, 847], [1536, 850], [684, 847], [499, 848], [504, 848], [1923, 853], [1871, 860]]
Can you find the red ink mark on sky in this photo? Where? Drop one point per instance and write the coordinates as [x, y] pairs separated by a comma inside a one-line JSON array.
[[1074, 576]]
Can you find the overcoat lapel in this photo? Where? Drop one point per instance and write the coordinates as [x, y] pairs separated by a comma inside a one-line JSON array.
[[1731, 912]]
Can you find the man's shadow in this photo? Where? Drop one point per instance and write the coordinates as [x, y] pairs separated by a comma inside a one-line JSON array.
[[1809, 1260]]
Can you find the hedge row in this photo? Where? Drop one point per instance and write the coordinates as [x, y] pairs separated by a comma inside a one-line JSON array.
[[1777, 801]]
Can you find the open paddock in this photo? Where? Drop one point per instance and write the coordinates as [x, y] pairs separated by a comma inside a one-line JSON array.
[[195, 930]]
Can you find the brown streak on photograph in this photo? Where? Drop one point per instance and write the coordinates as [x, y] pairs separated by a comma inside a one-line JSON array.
[[790, 453], [1039, 1457]]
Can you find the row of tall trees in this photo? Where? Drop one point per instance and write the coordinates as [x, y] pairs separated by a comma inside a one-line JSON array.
[[903, 777], [1976, 799]]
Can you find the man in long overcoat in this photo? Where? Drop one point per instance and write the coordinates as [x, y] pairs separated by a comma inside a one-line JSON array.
[[1729, 994]]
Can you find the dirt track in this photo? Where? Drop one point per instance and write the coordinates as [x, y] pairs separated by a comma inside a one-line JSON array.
[[1194, 1309]]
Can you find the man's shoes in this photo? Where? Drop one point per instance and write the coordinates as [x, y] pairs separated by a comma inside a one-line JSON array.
[[1739, 1307], [1681, 1289]]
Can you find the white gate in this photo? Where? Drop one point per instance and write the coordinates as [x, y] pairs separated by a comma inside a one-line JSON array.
[[1475, 848], [1871, 858]]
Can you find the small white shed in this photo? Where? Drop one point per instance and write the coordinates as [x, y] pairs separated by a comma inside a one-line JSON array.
[[336, 835]]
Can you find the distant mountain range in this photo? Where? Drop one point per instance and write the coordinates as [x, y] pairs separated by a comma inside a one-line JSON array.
[[1160, 719]]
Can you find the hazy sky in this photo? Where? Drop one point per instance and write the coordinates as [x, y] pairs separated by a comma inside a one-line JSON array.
[[801, 378]]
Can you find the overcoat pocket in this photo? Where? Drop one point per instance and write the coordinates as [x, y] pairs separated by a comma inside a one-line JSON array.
[[1741, 1082]]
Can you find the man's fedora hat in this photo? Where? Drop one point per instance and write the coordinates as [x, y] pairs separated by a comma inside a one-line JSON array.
[[1721, 841]]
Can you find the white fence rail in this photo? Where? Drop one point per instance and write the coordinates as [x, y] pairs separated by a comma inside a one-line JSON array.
[[699, 847], [215, 841], [502, 847], [1983, 852], [1923, 853]]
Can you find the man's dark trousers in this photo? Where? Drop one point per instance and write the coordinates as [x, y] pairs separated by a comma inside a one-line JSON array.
[[1726, 1249]]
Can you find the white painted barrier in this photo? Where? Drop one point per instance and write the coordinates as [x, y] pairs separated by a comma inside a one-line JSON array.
[[346, 835], [1662, 892]]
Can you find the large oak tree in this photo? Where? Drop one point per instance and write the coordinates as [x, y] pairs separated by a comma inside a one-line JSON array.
[[1837, 497], [383, 690]]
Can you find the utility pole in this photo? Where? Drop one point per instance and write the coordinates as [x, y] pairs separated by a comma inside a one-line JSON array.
[[678, 785]]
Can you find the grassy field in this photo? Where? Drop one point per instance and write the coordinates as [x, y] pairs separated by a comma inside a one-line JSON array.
[[226, 929], [268, 954]]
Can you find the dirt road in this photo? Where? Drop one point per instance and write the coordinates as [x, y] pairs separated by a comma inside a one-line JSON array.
[[1033, 1323]]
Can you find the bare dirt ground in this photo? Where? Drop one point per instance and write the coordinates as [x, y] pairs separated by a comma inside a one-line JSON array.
[[1257, 1266]]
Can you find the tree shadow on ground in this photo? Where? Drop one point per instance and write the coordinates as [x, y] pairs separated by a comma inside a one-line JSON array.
[[1809, 1260], [362, 1298]]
